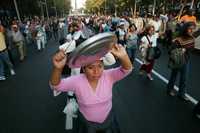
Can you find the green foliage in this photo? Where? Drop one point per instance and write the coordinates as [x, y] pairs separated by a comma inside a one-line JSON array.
[[122, 5]]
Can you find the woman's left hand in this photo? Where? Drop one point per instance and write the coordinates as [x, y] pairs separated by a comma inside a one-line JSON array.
[[118, 51]]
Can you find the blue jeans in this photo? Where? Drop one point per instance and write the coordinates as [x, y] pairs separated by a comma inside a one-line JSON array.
[[131, 53], [182, 81], [4, 58]]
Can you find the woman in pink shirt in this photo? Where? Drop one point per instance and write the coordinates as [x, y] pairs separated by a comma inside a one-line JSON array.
[[93, 88]]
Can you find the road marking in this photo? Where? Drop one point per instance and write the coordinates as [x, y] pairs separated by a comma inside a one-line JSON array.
[[194, 101]]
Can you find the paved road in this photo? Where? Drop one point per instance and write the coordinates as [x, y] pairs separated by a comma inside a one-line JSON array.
[[27, 104], [193, 72]]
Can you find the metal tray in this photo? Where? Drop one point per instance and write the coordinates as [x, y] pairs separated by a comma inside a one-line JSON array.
[[92, 49]]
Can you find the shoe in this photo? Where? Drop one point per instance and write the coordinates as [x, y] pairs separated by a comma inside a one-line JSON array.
[[21, 59], [171, 93], [12, 72], [150, 77], [2, 78], [183, 97]]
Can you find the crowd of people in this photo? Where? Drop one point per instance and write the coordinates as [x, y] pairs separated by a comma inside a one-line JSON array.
[[15, 34], [136, 36]]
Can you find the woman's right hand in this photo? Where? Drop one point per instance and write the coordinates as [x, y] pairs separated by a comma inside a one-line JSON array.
[[59, 60]]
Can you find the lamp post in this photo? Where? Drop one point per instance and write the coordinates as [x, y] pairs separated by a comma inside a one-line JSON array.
[[154, 7], [46, 9], [115, 8], [17, 11], [105, 7], [192, 3]]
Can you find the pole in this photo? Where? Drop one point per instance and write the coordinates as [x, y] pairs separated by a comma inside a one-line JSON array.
[[192, 3], [115, 8], [135, 9], [154, 7], [42, 10], [105, 8], [17, 11], [46, 9]]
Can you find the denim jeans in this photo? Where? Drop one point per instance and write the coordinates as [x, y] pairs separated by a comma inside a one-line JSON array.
[[182, 80], [4, 58], [131, 53]]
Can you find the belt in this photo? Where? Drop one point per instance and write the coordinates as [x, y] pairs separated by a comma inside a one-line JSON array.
[[3, 51]]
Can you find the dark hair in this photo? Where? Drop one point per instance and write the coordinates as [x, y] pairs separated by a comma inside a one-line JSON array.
[[183, 29]]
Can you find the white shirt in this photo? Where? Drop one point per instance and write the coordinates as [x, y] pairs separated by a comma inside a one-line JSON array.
[[138, 23], [152, 39], [69, 37]]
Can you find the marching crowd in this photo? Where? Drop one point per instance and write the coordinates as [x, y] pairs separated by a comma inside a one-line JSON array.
[[15, 34], [138, 36]]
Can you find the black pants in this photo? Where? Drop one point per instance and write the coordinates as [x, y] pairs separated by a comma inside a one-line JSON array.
[[55, 34], [91, 127]]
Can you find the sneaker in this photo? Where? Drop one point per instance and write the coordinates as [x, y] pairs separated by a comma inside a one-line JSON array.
[[12, 72], [149, 77], [2, 78], [171, 93], [183, 97], [21, 59]]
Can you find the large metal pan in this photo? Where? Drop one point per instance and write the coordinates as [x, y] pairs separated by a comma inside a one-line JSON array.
[[92, 49]]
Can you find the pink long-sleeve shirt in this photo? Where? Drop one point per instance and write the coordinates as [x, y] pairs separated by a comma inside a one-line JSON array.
[[94, 105]]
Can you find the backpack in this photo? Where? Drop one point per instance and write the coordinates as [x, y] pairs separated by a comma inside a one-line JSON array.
[[152, 52], [177, 58]]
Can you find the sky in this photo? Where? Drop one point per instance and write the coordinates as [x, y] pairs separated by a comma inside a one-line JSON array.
[[80, 3]]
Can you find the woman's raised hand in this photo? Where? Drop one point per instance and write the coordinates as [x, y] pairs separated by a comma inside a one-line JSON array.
[[118, 51], [59, 60]]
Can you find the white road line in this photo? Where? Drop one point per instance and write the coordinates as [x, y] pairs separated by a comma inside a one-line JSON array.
[[194, 101]]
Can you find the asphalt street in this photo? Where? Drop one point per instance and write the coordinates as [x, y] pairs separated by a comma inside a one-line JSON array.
[[28, 105]]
